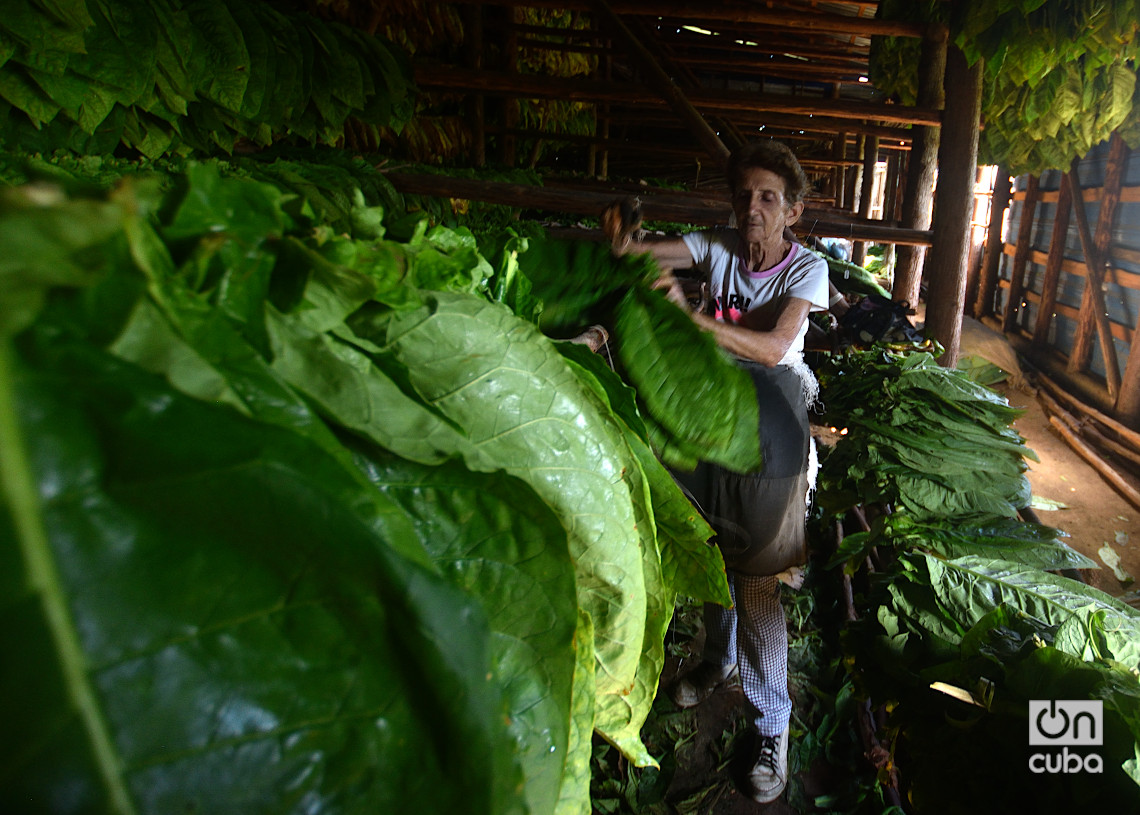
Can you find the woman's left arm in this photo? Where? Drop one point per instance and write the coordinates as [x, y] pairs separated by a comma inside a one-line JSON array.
[[766, 347]]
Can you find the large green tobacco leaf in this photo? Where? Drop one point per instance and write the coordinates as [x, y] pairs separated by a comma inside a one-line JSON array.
[[524, 410], [688, 384], [971, 586], [574, 797], [197, 617], [997, 538], [691, 566], [491, 535]]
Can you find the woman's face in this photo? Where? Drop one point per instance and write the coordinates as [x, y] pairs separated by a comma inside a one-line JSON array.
[[760, 207]]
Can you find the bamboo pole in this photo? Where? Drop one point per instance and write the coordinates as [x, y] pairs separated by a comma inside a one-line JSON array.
[[999, 203], [918, 196], [957, 166], [1021, 255], [1094, 281], [1053, 263]]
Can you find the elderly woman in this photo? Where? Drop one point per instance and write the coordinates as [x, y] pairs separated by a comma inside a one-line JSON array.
[[761, 284]]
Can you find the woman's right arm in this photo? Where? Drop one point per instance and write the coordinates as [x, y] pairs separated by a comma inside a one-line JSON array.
[[670, 253]]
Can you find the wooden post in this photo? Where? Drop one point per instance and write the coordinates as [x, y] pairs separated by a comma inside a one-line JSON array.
[[891, 194], [1021, 254], [918, 197], [1053, 262], [957, 167], [1128, 402], [975, 245], [855, 191], [870, 158], [1113, 180], [510, 56], [999, 203], [473, 56], [1095, 262]]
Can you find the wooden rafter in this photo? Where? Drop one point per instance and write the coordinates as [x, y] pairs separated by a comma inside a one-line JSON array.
[[807, 21], [662, 84], [706, 101]]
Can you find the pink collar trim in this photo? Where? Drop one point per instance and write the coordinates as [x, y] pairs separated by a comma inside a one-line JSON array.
[[775, 270]]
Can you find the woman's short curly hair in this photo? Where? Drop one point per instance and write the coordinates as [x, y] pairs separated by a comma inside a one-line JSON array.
[[773, 156]]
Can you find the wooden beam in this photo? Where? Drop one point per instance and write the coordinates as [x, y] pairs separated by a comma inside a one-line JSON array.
[[1053, 264], [890, 138], [1094, 282], [1021, 255], [739, 13], [707, 101], [661, 82], [692, 208], [957, 166], [1110, 196], [918, 195], [999, 203]]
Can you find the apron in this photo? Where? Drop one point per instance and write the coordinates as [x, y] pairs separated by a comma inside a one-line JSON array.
[[760, 518]]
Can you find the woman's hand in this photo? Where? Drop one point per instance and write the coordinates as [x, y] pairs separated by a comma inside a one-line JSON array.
[[672, 288], [620, 221]]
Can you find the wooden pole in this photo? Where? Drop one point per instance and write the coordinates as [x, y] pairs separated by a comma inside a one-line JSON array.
[[1022, 251], [1119, 429], [661, 82], [1099, 464], [891, 194], [1053, 263], [1114, 171], [999, 203], [918, 197], [870, 159], [957, 166], [1095, 263], [510, 105], [682, 208], [707, 101], [1087, 430], [738, 14], [473, 48]]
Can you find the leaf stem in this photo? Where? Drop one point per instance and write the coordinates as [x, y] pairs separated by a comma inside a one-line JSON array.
[[17, 486]]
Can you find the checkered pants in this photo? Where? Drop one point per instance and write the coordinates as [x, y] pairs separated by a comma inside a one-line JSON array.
[[754, 635]]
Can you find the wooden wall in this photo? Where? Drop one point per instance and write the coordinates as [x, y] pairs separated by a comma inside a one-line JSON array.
[[1041, 296]]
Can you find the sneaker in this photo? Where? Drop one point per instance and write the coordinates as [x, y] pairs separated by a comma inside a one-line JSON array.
[[698, 684], [769, 775]]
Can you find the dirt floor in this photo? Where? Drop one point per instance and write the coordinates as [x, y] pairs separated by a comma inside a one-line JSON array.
[[1092, 513]]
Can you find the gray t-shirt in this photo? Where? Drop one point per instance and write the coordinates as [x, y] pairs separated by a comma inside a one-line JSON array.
[[720, 254]]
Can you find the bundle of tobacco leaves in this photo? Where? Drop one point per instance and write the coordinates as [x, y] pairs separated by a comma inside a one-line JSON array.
[[919, 438]]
